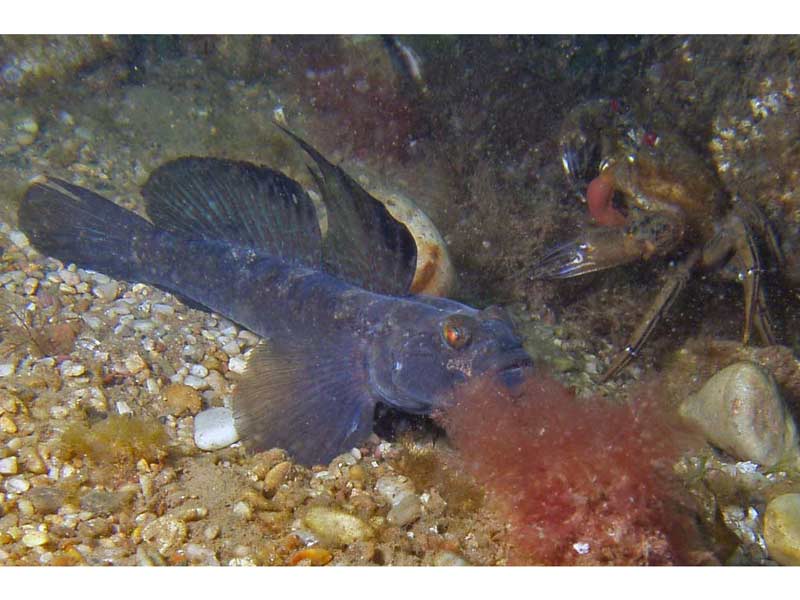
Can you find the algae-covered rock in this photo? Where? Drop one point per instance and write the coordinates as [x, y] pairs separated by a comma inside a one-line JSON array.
[[740, 410]]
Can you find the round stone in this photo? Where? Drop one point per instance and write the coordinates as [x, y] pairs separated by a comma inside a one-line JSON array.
[[214, 429], [741, 411]]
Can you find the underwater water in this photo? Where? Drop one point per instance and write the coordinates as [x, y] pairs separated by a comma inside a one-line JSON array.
[[613, 192]]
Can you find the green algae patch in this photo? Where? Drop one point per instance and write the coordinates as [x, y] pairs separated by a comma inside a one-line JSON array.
[[119, 440], [428, 467]]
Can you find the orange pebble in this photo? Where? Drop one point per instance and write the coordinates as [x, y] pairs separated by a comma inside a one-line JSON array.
[[316, 556]]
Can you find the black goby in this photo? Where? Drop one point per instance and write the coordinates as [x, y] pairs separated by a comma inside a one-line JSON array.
[[341, 333]]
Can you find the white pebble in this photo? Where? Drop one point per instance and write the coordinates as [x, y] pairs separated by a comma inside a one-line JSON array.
[[243, 510], [248, 337], [8, 465], [19, 239], [199, 371], [237, 364], [135, 364], [214, 429], [72, 369], [581, 547], [35, 538], [162, 309], [143, 325], [198, 554], [232, 348], [30, 285], [27, 124], [7, 369], [17, 485], [106, 291], [123, 408], [69, 277], [196, 382], [92, 321], [151, 385], [228, 329]]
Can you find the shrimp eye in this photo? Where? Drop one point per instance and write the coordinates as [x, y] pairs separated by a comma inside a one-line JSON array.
[[456, 333]]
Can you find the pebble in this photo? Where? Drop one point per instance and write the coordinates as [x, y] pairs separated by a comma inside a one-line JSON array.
[[72, 369], [143, 325], [196, 382], [237, 364], [394, 487], [46, 500], [35, 538], [243, 510], [8, 466], [19, 239], [214, 429], [102, 502], [445, 558], [135, 364], [211, 532], [275, 476], [248, 337], [219, 385], [232, 348], [405, 512], [106, 291], [199, 371], [7, 424], [25, 507], [29, 286], [162, 309], [405, 504], [181, 398], [92, 321], [123, 408], [200, 555], [32, 460], [17, 485], [69, 277], [740, 411], [315, 557], [166, 534], [28, 124], [336, 527], [782, 529], [7, 369], [192, 513]]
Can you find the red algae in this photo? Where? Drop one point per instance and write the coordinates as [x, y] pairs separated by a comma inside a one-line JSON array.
[[582, 482]]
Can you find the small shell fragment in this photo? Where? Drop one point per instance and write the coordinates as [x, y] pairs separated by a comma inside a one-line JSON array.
[[434, 275]]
